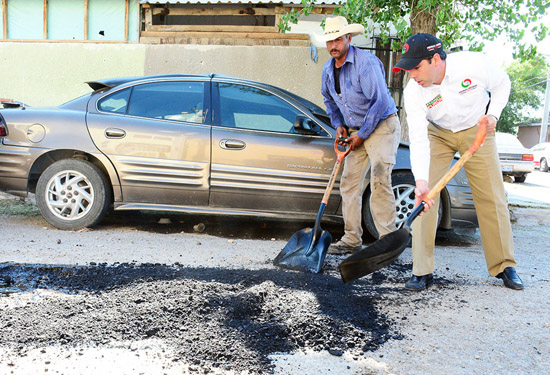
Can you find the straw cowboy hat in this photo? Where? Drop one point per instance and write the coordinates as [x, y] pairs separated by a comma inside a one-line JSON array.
[[335, 27]]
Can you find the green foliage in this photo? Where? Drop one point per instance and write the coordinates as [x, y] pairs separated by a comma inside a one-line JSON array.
[[472, 20], [527, 94]]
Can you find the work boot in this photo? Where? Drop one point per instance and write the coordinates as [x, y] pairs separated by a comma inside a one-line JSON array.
[[341, 248]]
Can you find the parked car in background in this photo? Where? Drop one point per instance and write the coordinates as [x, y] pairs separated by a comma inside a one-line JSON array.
[[207, 144], [515, 160], [541, 154]]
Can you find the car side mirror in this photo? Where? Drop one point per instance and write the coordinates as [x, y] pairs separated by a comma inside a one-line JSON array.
[[306, 126]]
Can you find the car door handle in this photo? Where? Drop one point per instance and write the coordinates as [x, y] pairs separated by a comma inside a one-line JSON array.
[[232, 144], [115, 133]]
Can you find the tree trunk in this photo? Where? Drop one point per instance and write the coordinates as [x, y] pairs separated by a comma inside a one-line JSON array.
[[422, 21]]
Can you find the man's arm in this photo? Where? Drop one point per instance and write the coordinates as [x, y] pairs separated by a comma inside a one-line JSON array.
[[498, 84], [374, 87]]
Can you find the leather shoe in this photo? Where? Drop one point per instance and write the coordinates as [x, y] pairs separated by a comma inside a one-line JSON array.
[[511, 278], [340, 248], [418, 283]]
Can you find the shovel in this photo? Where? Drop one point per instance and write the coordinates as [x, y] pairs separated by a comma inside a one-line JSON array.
[[306, 250], [384, 251]]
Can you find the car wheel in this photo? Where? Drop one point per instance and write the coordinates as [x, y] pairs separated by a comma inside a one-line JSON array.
[[73, 194], [543, 165], [403, 185], [520, 178]]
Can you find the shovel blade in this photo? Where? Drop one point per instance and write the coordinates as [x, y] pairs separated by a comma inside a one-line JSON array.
[[377, 255], [300, 254]]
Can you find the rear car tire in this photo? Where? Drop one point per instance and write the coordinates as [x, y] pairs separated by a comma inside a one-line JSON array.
[[403, 185], [521, 178], [543, 165], [73, 194]]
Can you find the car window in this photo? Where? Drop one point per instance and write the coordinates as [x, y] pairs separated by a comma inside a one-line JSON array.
[[179, 101], [247, 107], [117, 102]]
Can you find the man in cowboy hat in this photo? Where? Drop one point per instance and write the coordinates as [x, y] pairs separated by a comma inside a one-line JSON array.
[[362, 110]]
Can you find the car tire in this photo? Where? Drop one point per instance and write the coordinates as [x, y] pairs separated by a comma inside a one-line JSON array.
[[403, 185], [543, 165], [521, 178], [73, 194]]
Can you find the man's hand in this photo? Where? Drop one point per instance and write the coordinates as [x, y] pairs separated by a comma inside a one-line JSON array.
[[342, 132], [355, 141], [491, 123], [420, 194]]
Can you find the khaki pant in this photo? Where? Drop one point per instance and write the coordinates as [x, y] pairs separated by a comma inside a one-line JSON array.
[[485, 178], [379, 149]]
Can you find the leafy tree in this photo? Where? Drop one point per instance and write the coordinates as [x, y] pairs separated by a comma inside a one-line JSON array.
[[450, 20], [527, 95], [474, 21]]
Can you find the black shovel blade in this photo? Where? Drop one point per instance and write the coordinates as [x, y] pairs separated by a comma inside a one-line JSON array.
[[300, 254], [377, 255]]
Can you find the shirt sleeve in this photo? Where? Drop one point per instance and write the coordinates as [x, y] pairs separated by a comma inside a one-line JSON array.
[[418, 132], [498, 84], [374, 88]]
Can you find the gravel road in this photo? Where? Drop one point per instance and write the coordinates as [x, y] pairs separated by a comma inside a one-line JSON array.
[[146, 294]]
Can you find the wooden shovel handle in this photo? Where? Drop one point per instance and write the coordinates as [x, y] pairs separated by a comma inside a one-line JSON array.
[[340, 155], [478, 142]]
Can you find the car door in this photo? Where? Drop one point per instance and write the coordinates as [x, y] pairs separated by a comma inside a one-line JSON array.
[[258, 162], [157, 135]]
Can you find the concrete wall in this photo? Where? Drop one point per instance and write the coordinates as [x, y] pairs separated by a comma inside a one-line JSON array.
[[44, 74], [290, 68], [530, 135]]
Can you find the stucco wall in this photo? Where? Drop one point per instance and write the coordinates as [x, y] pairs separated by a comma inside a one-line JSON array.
[[52, 73], [291, 68], [40, 74]]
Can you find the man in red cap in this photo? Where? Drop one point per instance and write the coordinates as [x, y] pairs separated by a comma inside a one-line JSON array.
[[445, 100]]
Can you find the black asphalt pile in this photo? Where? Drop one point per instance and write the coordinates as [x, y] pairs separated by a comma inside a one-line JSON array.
[[214, 318]]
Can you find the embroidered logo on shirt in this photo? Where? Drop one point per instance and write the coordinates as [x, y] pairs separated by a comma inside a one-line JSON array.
[[467, 84], [435, 101]]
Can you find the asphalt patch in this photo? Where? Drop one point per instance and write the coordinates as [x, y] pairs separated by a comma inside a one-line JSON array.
[[229, 319]]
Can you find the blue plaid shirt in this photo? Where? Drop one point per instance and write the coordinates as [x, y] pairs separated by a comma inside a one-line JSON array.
[[365, 99]]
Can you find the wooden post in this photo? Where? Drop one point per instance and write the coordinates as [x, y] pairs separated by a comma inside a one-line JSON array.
[[5, 16], [126, 18], [85, 19], [45, 19]]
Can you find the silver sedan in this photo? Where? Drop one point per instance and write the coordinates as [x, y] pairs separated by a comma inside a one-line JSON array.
[[207, 144]]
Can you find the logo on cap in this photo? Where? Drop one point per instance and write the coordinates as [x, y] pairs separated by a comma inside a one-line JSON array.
[[433, 47], [405, 48]]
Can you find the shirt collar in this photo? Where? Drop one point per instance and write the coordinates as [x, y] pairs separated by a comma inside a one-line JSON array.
[[350, 57]]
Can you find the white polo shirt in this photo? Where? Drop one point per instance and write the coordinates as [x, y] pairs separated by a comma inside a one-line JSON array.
[[456, 104]]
